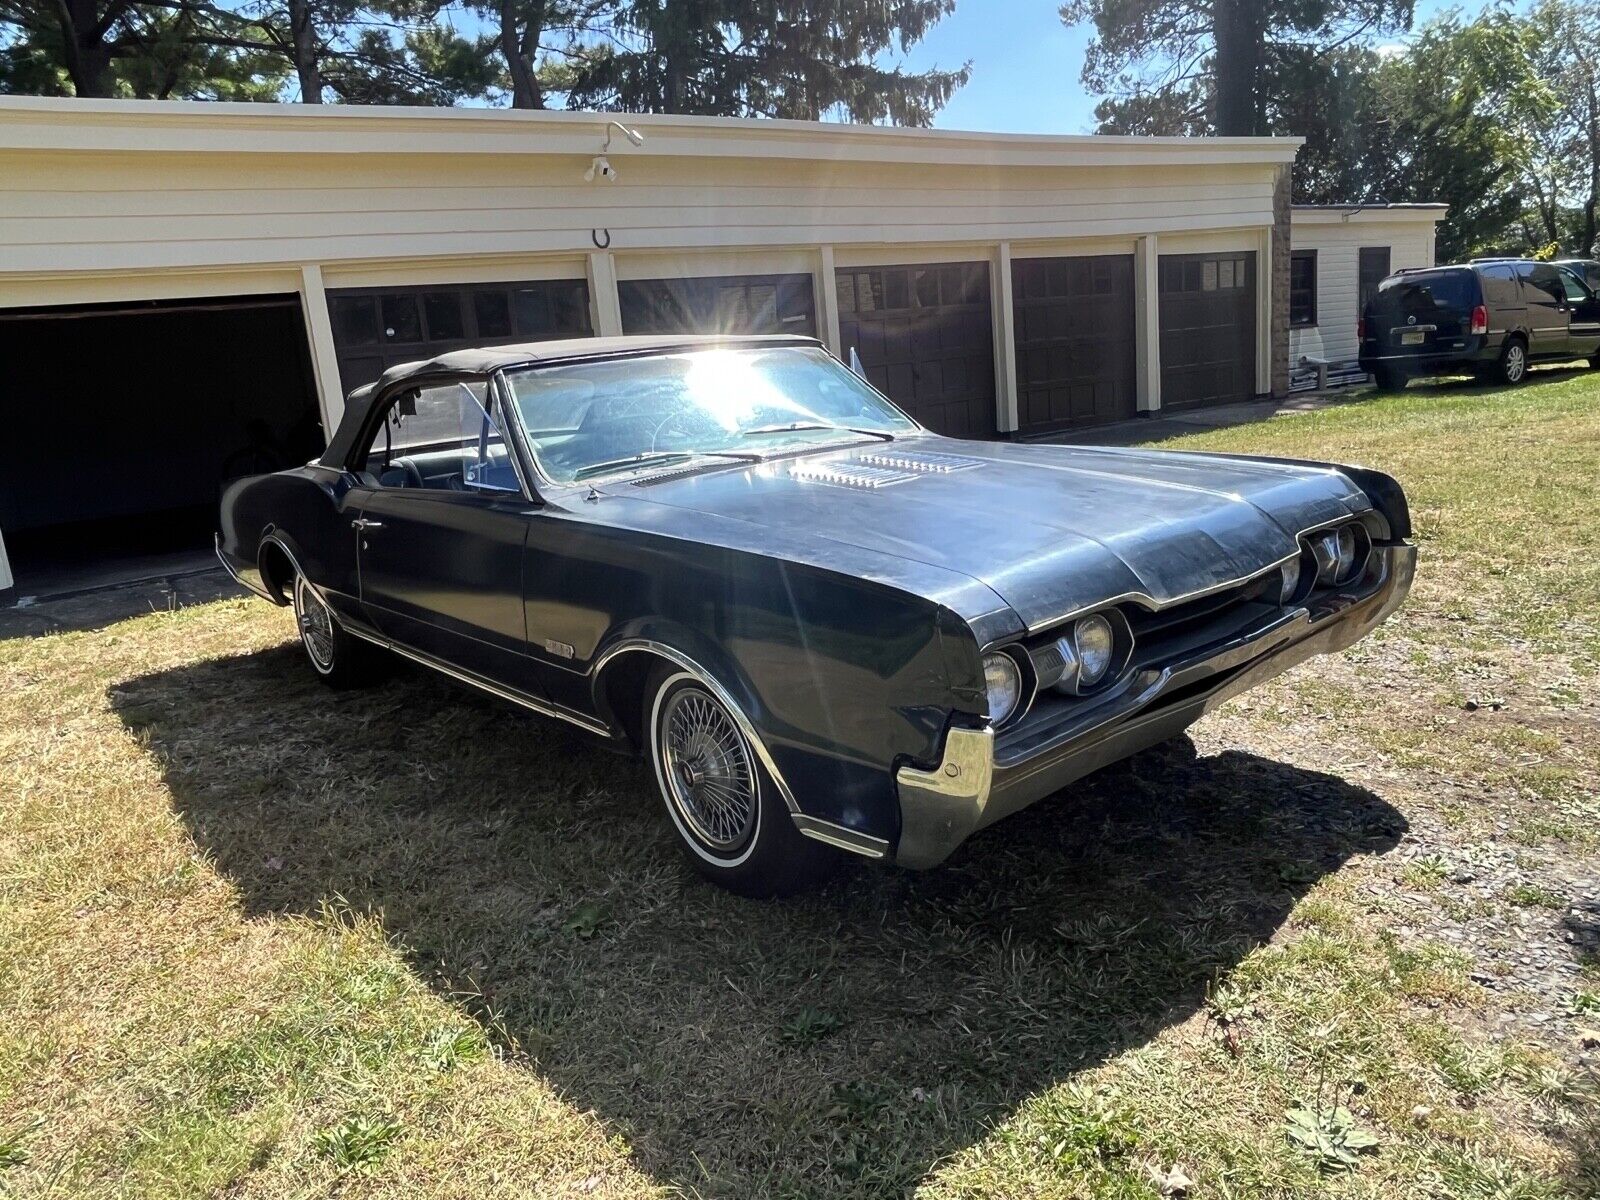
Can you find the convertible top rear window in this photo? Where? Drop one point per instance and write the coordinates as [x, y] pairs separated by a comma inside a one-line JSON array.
[[586, 419]]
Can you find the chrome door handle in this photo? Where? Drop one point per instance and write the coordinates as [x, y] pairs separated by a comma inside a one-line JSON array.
[[363, 523]]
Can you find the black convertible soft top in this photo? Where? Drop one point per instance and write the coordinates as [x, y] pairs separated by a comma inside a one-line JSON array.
[[481, 361]]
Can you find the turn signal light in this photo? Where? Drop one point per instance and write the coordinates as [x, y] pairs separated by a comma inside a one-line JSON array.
[[1361, 328], [1480, 320]]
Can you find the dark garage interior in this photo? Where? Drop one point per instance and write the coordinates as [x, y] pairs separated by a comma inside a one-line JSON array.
[[124, 421]]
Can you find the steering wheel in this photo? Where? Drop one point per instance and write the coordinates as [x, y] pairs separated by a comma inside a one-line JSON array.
[[655, 436]]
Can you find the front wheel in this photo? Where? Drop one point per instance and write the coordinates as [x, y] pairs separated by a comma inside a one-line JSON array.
[[341, 659], [1512, 367], [725, 808]]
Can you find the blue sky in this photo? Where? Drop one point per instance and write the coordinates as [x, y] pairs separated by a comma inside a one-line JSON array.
[[1025, 65]]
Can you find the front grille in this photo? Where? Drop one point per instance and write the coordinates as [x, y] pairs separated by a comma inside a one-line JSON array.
[[1179, 620]]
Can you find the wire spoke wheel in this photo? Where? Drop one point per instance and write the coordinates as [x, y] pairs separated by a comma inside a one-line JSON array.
[[316, 624], [706, 767]]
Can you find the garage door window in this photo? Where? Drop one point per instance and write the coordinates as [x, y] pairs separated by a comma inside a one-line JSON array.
[[376, 328], [730, 304]]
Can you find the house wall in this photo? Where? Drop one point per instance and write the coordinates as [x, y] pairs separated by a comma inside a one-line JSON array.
[[114, 200], [1338, 244]]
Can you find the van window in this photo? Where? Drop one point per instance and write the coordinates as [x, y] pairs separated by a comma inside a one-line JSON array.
[[1500, 287], [1426, 292], [1544, 278], [1577, 291]]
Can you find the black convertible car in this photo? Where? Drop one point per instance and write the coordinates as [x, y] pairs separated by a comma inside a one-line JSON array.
[[826, 628]]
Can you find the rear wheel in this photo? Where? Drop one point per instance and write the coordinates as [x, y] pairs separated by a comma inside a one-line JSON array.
[[341, 659], [1512, 367], [725, 808], [1389, 379]]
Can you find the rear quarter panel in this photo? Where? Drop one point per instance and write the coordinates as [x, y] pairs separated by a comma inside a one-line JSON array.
[[307, 509]]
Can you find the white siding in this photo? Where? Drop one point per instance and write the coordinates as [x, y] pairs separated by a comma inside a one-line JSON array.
[[64, 213], [1338, 247]]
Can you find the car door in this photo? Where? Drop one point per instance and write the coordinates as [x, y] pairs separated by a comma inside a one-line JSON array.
[[1583, 304], [1546, 299], [441, 534]]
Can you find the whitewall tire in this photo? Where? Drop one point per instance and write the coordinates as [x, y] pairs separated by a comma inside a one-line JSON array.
[[725, 809]]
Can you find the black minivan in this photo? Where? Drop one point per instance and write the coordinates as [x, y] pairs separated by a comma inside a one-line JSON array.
[[1488, 318]]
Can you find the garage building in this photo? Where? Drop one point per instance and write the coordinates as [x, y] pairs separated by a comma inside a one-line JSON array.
[[187, 291], [1339, 255]]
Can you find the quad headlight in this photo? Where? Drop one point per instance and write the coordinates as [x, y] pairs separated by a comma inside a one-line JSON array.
[[1002, 679], [1088, 651], [1096, 645]]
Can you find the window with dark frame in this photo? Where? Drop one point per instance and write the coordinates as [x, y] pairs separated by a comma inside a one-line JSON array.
[[1372, 269], [1302, 288]]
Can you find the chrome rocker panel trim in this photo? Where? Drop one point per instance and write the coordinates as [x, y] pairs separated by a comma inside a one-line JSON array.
[[522, 699], [973, 785]]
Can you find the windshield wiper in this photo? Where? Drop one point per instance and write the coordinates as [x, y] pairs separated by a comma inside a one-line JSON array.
[[657, 458], [800, 425]]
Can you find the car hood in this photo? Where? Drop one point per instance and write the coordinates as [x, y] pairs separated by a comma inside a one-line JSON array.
[[1049, 529]]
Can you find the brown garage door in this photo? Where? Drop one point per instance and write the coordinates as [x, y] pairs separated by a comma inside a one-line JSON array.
[[719, 304], [1208, 328], [926, 340], [1075, 341], [375, 328]]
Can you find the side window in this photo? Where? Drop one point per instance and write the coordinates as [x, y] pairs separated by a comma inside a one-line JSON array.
[[1500, 286], [1372, 269], [444, 438], [1543, 278], [1575, 289], [1303, 288]]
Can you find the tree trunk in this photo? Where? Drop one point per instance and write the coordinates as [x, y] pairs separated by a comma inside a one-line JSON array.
[[520, 49], [1237, 70], [304, 47], [83, 45]]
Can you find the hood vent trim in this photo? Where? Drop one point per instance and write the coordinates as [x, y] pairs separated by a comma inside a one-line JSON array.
[[850, 474], [921, 461]]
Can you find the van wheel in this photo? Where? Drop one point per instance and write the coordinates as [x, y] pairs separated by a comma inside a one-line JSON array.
[[1389, 379], [1513, 365], [728, 815]]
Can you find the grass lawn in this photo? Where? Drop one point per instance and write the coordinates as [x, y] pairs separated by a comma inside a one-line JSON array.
[[261, 940]]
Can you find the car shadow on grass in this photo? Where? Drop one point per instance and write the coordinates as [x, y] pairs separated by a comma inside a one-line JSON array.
[[839, 1043]]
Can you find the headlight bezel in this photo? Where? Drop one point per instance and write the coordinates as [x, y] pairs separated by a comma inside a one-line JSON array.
[[1066, 644], [1337, 554], [1026, 686]]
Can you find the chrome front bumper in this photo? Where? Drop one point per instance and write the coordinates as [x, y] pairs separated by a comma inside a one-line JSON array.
[[977, 781]]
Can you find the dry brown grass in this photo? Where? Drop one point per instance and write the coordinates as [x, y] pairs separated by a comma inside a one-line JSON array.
[[264, 940]]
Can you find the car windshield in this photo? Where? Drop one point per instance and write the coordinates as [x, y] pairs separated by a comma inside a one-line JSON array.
[[585, 420]]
